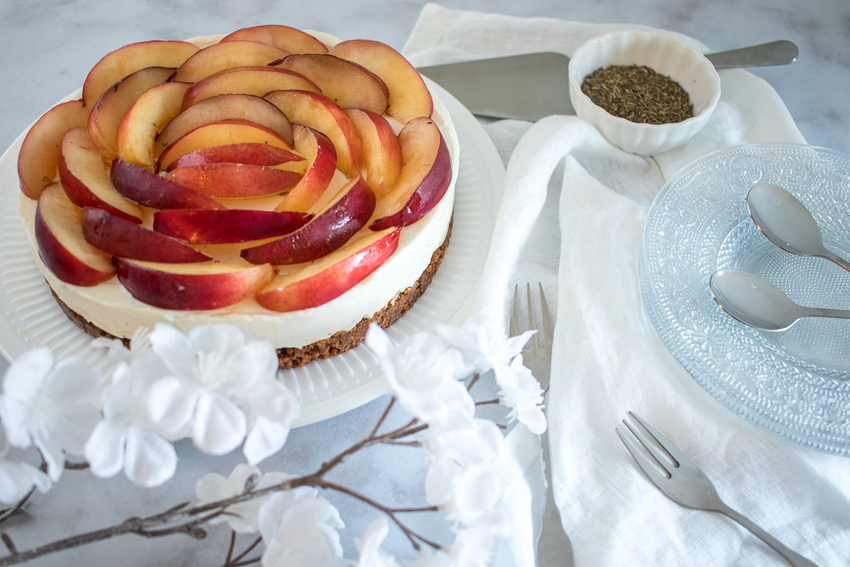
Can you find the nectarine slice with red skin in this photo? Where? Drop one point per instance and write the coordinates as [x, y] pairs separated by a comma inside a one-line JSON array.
[[85, 177], [123, 239], [113, 104], [192, 287], [346, 83], [381, 149], [330, 229], [61, 244], [245, 153], [235, 180], [248, 80], [232, 131], [321, 155], [409, 96], [284, 37], [330, 277], [154, 109], [226, 107], [226, 226], [321, 113], [425, 176], [127, 60], [139, 185], [227, 55], [38, 159]]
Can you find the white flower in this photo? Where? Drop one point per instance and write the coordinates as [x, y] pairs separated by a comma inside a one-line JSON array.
[[299, 530], [422, 373], [17, 479], [212, 371], [471, 548], [371, 554], [125, 438], [49, 406], [274, 408], [430, 558], [485, 340], [243, 517]]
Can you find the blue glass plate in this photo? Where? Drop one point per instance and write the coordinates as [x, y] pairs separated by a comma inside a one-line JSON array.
[[796, 383]]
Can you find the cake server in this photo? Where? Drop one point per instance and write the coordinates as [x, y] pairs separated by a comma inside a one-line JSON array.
[[534, 85]]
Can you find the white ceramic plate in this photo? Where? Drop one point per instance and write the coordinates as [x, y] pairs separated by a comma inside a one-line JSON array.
[[30, 317]]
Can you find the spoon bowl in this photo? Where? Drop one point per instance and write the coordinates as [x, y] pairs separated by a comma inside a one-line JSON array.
[[786, 222], [758, 303]]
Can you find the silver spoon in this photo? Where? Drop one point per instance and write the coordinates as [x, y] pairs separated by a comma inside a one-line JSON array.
[[760, 304], [787, 222]]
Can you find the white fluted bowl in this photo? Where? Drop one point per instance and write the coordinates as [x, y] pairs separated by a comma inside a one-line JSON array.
[[664, 54]]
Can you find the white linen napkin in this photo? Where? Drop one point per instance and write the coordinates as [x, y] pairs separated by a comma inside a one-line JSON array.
[[572, 217]]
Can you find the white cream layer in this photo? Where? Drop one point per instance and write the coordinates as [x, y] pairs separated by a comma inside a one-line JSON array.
[[111, 307]]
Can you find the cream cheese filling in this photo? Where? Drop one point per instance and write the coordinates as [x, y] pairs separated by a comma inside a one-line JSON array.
[[111, 307]]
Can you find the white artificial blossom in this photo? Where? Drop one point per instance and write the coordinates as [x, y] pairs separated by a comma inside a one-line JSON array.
[[49, 406], [461, 479], [18, 479], [299, 529], [484, 339], [243, 517], [371, 554]]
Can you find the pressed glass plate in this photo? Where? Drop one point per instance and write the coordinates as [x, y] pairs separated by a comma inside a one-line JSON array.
[[795, 384]]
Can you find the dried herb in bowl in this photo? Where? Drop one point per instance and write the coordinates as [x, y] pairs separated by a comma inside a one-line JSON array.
[[638, 94]]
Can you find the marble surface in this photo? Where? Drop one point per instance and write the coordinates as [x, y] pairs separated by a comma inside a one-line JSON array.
[[49, 46]]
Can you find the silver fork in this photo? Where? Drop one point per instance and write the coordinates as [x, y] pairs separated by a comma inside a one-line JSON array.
[[553, 542], [680, 479]]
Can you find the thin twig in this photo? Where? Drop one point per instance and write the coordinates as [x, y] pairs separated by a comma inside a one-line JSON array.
[[488, 402]]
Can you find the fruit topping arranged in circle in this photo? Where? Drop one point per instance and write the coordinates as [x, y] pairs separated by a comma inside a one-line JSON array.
[[271, 168]]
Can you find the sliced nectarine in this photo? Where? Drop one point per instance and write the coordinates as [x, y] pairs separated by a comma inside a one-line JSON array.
[[321, 113], [332, 227], [227, 55], [321, 157], [248, 80], [284, 37], [235, 180], [118, 237], [146, 118], [346, 83], [61, 244], [128, 59], [330, 277], [425, 176], [85, 177], [195, 286], [151, 190], [232, 131], [38, 159], [224, 107], [226, 226], [249, 153], [409, 96], [113, 104], [381, 149]]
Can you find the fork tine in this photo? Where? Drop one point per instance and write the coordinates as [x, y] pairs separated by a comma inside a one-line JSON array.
[[675, 455], [650, 467], [533, 341], [515, 314]]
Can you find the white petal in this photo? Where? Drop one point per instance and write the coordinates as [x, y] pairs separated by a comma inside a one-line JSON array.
[[476, 491], [25, 376], [265, 439], [174, 348], [252, 363], [53, 456], [73, 427], [17, 479], [217, 338], [149, 459], [438, 481], [105, 449], [15, 417], [212, 487], [275, 401], [72, 380], [219, 425], [170, 405]]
